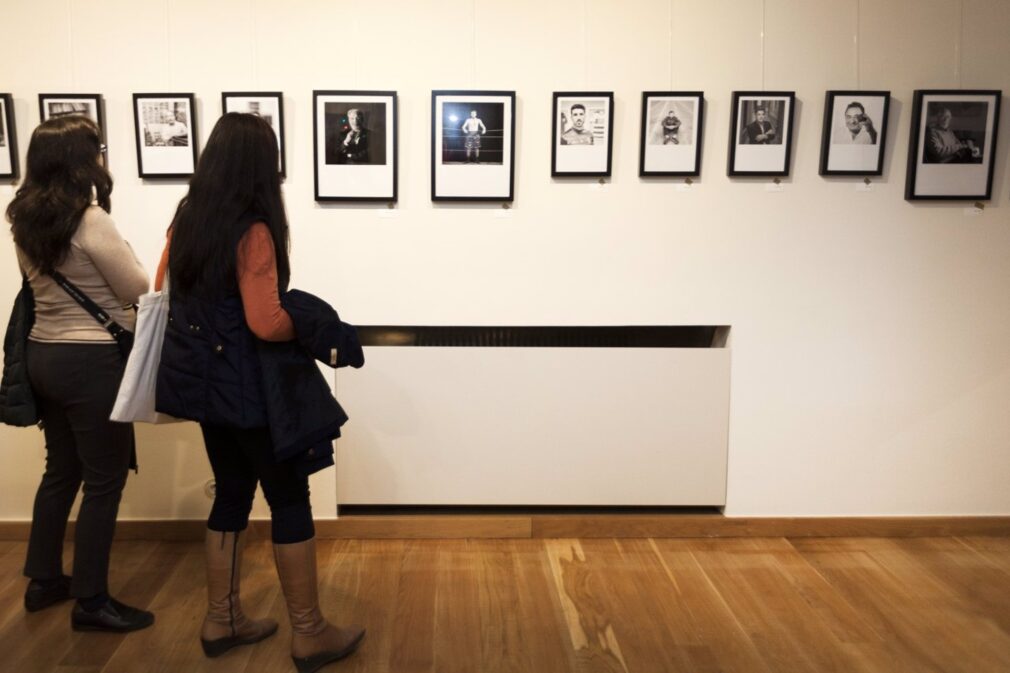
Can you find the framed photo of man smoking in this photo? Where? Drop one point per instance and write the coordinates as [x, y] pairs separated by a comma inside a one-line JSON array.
[[8, 138], [165, 127], [761, 133], [855, 132], [267, 105], [670, 144], [473, 145], [952, 148], [582, 133], [88, 105], [355, 145]]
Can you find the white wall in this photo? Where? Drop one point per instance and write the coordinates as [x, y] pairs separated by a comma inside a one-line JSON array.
[[871, 336]]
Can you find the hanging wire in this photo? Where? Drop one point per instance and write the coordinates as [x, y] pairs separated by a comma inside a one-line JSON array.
[[764, 8], [855, 41]]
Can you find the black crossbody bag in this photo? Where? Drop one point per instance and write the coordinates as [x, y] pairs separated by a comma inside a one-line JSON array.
[[123, 336]]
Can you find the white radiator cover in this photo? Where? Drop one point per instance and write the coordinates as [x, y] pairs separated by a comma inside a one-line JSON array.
[[535, 426]]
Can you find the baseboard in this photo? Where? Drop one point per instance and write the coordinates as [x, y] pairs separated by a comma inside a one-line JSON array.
[[565, 525]]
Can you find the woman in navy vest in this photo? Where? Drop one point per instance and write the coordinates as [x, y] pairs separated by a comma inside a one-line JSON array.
[[227, 263]]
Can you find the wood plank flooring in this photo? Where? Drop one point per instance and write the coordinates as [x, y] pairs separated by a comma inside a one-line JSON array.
[[581, 605]]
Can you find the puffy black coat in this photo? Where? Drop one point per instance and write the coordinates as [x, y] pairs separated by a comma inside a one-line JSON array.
[[17, 403], [304, 416]]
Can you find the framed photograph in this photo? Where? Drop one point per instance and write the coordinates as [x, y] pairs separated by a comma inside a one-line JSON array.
[[88, 105], [855, 132], [165, 125], [473, 145], [355, 139], [268, 105], [8, 138], [582, 133], [671, 133], [761, 133], [952, 149]]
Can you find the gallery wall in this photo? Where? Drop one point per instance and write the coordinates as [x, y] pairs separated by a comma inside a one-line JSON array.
[[871, 336]]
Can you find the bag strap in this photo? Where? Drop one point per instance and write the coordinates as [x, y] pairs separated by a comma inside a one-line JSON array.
[[96, 312]]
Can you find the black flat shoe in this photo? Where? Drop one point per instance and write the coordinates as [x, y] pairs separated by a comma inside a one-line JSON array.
[[113, 616], [39, 596]]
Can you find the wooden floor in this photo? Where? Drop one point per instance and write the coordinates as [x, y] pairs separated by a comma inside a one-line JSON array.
[[748, 604]]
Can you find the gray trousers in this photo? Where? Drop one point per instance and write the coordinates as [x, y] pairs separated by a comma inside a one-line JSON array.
[[75, 386]]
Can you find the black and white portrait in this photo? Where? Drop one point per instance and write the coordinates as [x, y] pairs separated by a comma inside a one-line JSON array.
[[671, 133], [953, 144], [472, 145], [761, 133], [269, 106], [166, 123], [582, 133], [53, 105], [356, 133], [955, 132], [761, 121], [66, 108], [473, 133], [166, 133], [854, 134], [8, 142], [355, 141]]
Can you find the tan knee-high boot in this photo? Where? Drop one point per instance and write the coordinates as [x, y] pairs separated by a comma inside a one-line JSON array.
[[314, 642], [226, 626]]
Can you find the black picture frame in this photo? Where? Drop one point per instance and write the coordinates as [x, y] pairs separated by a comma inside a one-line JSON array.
[[834, 128], [325, 184], [930, 172], [736, 132], [647, 131], [9, 137], [557, 137], [278, 128], [95, 99], [187, 160], [445, 172]]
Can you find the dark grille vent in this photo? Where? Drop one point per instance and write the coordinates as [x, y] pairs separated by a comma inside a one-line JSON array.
[[651, 336]]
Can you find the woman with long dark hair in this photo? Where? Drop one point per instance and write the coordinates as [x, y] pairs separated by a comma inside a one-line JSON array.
[[60, 221], [227, 264]]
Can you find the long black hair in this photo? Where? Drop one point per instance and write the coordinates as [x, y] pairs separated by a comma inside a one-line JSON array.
[[64, 176], [236, 182]]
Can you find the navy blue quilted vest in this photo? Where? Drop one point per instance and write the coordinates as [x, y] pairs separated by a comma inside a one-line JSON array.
[[209, 370]]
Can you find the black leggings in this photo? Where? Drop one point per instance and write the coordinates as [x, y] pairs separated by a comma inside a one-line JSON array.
[[240, 459]]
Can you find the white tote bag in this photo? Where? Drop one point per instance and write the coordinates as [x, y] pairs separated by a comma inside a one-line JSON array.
[[135, 401]]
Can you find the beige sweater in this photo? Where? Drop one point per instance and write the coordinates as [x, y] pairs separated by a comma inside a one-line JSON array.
[[102, 264]]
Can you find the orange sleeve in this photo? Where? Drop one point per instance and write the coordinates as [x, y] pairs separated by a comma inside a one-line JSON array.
[[159, 277], [257, 282]]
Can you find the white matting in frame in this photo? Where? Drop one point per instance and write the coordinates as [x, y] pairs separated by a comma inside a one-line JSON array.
[[954, 143], [165, 127], [8, 140], [355, 146], [472, 145], [855, 131], [267, 105], [761, 133], [671, 133], [53, 105], [582, 134]]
